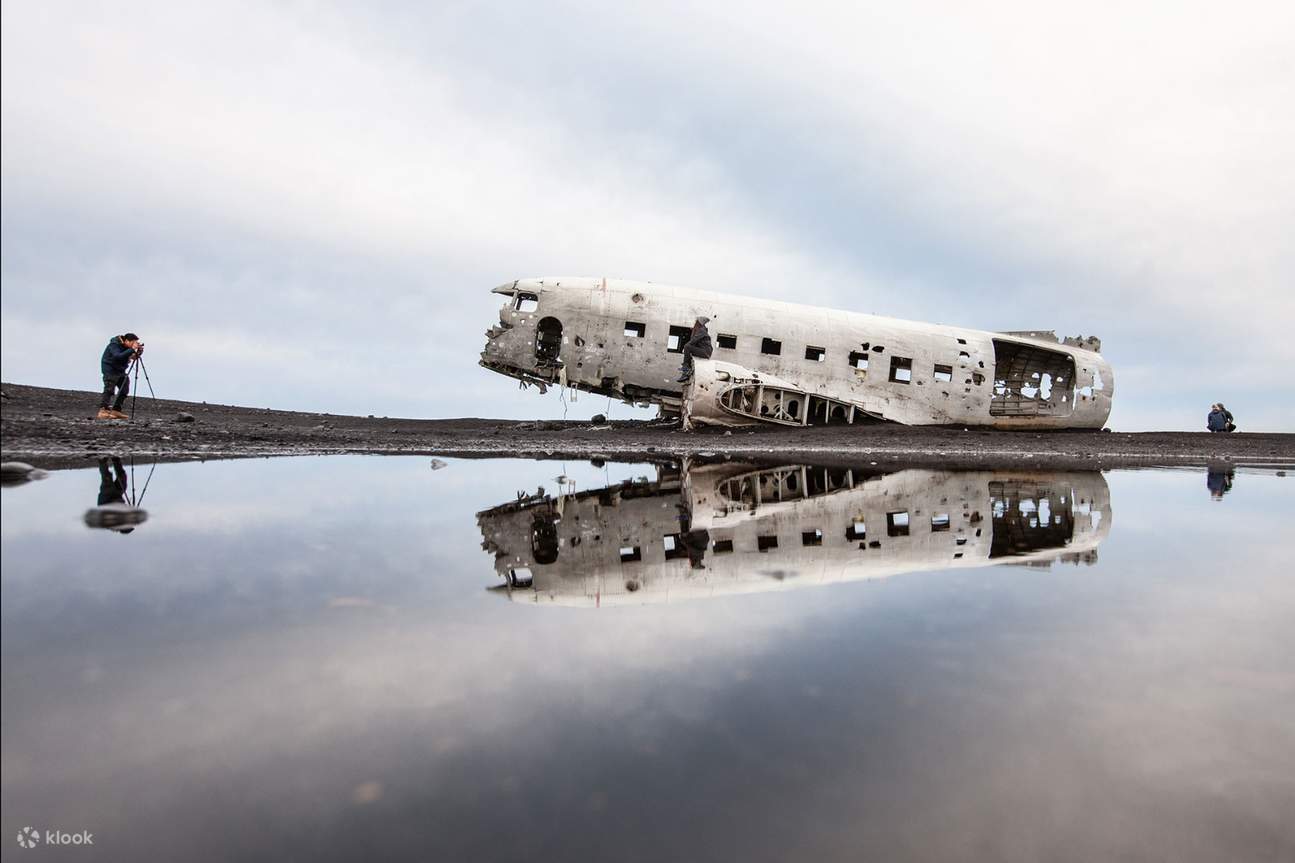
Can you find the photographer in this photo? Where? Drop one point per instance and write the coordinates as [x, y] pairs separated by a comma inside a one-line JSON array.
[[117, 357]]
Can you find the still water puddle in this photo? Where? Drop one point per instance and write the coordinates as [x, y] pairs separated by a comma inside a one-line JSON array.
[[365, 658]]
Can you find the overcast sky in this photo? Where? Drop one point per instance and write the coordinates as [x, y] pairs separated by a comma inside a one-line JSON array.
[[305, 205]]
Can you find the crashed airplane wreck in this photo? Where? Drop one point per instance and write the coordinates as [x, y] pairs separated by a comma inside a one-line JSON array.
[[722, 529], [789, 364]]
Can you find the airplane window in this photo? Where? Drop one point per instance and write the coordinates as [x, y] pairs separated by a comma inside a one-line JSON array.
[[815, 354], [635, 330], [727, 342], [859, 360], [897, 523], [901, 369], [943, 373], [677, 339], [526, 303], [771, 346]]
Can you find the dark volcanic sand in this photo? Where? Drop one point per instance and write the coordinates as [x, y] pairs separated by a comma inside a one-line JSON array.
[[53, 428]]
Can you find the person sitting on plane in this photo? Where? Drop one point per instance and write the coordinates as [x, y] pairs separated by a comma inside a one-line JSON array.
[[695, 542], [1232, 425], [698, 345]]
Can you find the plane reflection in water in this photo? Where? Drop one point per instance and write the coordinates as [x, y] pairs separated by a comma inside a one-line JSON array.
[[711, 530]]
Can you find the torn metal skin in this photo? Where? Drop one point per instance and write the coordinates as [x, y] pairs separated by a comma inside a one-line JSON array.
[[789, 364]]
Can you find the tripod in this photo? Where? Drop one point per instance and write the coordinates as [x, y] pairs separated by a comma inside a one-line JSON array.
[[138, 363]]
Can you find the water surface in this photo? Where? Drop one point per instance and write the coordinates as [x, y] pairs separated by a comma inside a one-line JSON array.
[[316, 658]]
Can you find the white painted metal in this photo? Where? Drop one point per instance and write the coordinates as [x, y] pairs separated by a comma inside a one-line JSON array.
[[785, 528], [951, 371]]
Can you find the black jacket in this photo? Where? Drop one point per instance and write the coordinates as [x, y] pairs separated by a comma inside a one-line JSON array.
[[698, 344], [116, 357]]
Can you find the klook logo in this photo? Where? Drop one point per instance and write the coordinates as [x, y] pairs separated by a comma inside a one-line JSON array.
[[30, 837]]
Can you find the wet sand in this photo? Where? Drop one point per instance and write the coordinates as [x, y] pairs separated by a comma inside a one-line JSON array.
[[54, 428]]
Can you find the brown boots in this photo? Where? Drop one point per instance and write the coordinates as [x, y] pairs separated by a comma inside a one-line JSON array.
[[109, 414]]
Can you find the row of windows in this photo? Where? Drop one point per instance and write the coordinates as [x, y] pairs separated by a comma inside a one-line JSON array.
[[901, 368], [897, 524]]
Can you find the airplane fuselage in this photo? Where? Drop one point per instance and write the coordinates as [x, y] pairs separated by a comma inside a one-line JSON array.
[[789, 363]]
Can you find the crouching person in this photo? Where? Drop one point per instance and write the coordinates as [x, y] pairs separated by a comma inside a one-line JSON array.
[[1220, 419], [117, 357]]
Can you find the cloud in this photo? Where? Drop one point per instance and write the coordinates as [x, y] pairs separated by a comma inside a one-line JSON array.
[[304, 175]]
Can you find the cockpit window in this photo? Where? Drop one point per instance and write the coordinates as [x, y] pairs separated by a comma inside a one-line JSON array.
[[526, 303]]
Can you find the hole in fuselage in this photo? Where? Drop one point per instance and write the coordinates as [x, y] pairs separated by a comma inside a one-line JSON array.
[[1026, 378], [544, 538], [548, 339]]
